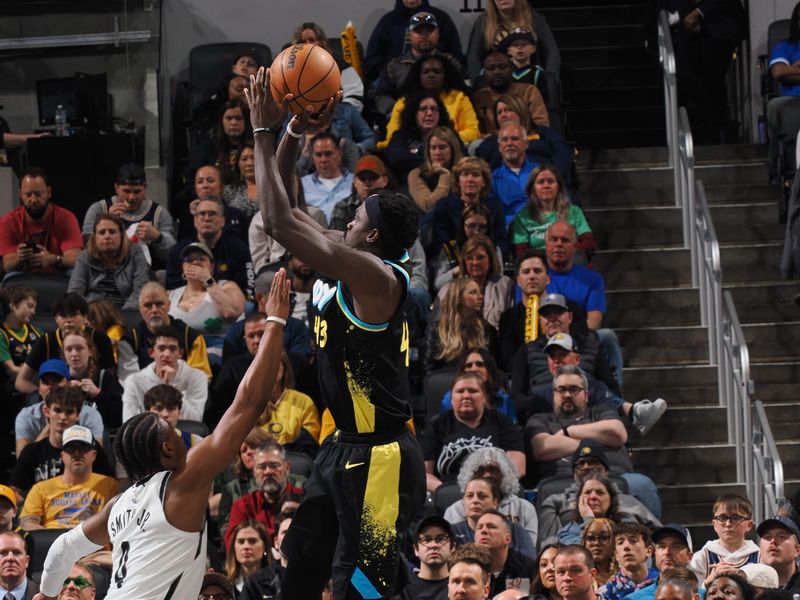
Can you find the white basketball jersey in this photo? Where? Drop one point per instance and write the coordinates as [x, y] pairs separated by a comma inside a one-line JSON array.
[[152, 559]]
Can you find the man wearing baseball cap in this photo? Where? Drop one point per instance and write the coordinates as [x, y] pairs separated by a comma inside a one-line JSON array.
[[423, 40], [370, 176], [146, 221], [780, 548], [433, 545], [32, 419], [589, 457], [672, 550], [64, 501], [8, 508]]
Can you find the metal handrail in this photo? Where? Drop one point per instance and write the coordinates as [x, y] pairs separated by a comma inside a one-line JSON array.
[[770, 477], [758, 464]]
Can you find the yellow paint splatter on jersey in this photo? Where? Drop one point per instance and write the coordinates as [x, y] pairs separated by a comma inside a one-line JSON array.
[[360, 392]]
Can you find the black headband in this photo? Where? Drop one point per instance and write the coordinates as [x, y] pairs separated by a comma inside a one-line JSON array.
[[373, 208]]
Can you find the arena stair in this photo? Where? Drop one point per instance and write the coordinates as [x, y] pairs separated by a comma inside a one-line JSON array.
[[611, 83], [628, 199]]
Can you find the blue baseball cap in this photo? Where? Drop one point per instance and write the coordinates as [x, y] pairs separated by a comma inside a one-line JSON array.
[[54, 365], [778, 521], [673, 529]]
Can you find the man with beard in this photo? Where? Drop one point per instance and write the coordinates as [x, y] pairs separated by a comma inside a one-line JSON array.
[[264, 504], [134, 347], [64, 501], [498, 74], [553, 438], [39, 236], [434, 544]]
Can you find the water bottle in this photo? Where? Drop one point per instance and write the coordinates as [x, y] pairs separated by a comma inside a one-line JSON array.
[[62, 129]]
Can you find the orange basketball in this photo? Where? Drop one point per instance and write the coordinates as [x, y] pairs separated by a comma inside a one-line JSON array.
[[306, 71]]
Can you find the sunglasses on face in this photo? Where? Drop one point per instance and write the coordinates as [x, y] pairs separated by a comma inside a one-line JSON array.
[[422, 20], [79, 582]]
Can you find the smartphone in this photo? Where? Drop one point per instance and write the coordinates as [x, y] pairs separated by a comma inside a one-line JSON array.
[[32, 245]]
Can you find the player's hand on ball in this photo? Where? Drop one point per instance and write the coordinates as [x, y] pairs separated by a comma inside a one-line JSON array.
[[264, 110], [310, 120], [278, 300]]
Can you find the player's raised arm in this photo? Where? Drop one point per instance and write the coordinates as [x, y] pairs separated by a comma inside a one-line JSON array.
[[215, 452]]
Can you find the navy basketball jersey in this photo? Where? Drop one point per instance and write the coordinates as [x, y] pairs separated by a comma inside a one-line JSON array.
[[363, 367]]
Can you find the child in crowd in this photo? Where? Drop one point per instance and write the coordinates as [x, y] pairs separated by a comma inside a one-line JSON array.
[[17, 335], [105, 316], [166, 402], [732, 521], [520, 45]]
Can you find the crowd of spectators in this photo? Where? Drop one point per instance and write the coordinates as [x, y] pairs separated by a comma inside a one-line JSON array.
[[164, 312]]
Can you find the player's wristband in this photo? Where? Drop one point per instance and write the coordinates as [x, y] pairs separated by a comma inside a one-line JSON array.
[[264, 129], [292, 133], [276, 320]]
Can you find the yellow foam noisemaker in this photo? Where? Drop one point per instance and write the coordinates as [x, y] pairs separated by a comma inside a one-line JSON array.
[[532, 318]]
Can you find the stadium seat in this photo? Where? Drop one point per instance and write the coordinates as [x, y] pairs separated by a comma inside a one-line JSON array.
[[433, 388], [131, 316], [301, 464], [195, 427], [445, 495], [48, 286], [210, 63], [38, 543]]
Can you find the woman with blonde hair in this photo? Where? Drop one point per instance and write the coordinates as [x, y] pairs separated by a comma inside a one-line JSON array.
[[459, 325], [548, 203], [495, 23], [111, 267], [479, 261], [432, 181], [472, 184]]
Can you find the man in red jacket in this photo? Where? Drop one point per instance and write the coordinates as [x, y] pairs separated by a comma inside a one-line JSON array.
[[269, 463]]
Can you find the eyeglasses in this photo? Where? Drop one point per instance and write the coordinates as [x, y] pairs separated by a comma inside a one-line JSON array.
[[475, 226], [732, 519], [207, 213], [572, 390], [603, 538], [439, 540], [79, 582]]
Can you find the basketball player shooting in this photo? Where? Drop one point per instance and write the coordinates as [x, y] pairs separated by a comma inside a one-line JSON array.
[[157, 526], [369, 477]]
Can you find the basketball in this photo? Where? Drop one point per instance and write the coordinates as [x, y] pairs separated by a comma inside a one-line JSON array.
[[306, 71]]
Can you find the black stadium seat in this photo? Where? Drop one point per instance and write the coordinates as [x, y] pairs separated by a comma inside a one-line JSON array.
[[38, 543], [48, 286], [209, 64]]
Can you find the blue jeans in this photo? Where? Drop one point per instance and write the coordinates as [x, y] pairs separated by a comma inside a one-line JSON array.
[[609, 346], [644, 490]]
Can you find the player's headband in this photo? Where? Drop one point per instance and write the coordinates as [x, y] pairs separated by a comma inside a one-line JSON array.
[[373, 208]]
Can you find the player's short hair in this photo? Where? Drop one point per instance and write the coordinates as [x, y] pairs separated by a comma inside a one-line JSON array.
[[527, 255], [138, 445], [734, 502], [167, 331], [473, 554], [66, 396], [402, 217], [572, 549], [69, 304], [631, 529], [14, 294], [167, 396]]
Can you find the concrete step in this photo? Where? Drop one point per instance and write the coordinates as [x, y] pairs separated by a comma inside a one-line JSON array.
[[765, 341], [755, 262], [570, 16], [655, 306], [682, 425], [697, 494], [663, 195], [609, 158], [640, 227], [739, 173]]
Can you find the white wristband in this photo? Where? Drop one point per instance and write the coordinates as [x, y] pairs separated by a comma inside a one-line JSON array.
[[292, 133], [276, 320]]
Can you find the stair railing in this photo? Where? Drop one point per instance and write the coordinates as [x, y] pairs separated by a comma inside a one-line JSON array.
[[758, 464]]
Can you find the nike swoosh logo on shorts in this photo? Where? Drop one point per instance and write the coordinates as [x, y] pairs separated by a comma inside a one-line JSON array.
[[350, 465]]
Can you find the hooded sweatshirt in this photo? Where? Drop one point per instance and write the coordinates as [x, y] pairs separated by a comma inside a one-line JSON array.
[[713, 553]]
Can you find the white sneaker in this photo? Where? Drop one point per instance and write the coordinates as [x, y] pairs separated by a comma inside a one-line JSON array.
[[647, 413]]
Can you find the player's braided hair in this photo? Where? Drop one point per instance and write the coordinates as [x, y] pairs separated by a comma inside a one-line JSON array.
[[402, 216], [138, 445]]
